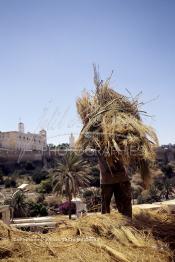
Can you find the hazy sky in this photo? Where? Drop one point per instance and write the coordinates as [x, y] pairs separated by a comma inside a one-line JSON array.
[[47, 48]]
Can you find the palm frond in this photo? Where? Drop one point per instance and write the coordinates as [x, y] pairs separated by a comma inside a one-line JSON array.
[[70, 174]]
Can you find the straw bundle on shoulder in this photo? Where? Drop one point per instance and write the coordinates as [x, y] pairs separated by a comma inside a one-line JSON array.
[[112, 123]]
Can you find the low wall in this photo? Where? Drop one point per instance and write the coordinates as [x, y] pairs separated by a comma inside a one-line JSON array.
[[8, 156]]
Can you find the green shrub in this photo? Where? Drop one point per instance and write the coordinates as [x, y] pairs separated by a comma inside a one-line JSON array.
[[1, 179], [39, 176], [37, 209], [10, 182], [45, 187]]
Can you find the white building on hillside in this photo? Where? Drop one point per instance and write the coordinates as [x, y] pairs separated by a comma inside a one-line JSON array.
[[19, 140]]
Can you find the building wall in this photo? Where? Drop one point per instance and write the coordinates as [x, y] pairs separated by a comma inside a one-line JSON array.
[[22, 141], [30, 142], [13, 156], [8, 140]]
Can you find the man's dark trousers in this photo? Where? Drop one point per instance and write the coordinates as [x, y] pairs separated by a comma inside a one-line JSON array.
[[122, 194]]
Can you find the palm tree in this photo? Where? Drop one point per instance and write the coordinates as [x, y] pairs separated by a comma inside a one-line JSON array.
[[69, 175]]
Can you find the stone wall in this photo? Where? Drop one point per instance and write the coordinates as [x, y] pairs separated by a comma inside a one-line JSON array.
[[10, 156], [166, 153]]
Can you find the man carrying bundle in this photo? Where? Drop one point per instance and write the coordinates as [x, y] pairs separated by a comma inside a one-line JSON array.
[[114, 180], [112, 125]]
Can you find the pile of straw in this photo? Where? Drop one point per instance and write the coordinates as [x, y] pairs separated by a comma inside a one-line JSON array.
[[92, 238], [112, 124], [159, 223]]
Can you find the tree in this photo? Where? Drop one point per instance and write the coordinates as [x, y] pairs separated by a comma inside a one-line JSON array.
[[165, 183], [38, 176], [18, 203], [136, 186], [166, 186], [37, 209], [51, 146], [29, 166], [45, 186], [69, 175], [168, 170], [169, 187], [63, 146], [1, 180], [10, 182]]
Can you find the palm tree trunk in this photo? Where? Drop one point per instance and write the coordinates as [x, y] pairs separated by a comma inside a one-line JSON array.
[[70, 213], [70, 198]]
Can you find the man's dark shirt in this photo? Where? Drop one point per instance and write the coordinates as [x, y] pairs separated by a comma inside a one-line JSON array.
[[111, 174]]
